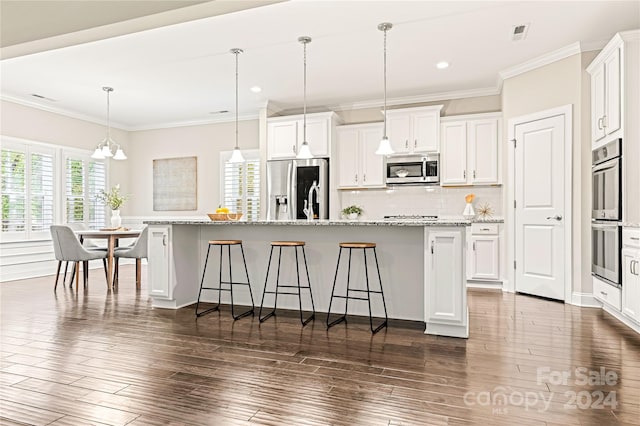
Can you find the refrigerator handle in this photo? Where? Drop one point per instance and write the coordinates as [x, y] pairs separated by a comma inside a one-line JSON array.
[[291, 190]]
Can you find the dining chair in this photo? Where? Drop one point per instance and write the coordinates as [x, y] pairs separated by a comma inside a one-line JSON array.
[[137, 251], [67, 248], [89, 245]]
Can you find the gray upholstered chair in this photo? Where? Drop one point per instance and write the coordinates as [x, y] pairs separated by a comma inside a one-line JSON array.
[[67, 248], [137, 251], [89, 245]]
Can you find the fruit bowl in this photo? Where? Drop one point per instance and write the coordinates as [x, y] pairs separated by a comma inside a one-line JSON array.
[[225, 216]]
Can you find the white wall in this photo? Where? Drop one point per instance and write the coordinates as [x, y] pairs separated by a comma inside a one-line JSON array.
[[561, 83], [204, 141]]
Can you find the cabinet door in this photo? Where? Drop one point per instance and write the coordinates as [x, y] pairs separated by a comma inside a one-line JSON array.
[[317, 136], [399, 132], [631, 285], [425, 133], [612, 92], [484, 255], [158, 258], [445, 300], [597, 103], [282, 139], [348, 157], [453, 156], [483, 151], [371, 165]]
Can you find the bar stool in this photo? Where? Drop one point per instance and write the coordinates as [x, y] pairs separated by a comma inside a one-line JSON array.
[[231, 283], [356, 246], [295, 245]]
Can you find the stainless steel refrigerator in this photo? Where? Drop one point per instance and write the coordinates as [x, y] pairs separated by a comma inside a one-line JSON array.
[[298, 189]]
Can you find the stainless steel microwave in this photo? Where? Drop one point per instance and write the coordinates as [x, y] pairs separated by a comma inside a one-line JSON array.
[[413, 169]]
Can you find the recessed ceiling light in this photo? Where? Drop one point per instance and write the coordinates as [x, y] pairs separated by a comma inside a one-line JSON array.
[[256, 89], [442, 65]]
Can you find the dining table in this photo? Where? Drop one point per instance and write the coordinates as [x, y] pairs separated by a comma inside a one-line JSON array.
[[112, 236]]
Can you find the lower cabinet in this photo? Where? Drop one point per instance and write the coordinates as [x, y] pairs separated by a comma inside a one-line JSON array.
[[445, 287], [631, 274], [158, 258], [483, 252]]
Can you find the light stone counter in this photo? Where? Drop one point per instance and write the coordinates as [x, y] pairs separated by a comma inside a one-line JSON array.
[[422, 265]]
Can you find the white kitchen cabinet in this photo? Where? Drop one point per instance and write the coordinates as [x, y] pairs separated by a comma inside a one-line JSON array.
[[285, 135], [414, 130], [606, 95], [631, 274], [445, 290], [158, 259], [470, 150], [483, 252], [358, 164]]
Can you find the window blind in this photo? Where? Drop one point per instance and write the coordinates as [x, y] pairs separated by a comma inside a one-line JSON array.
[[241, 187], [14, 190], [84, 178], [41, 192]]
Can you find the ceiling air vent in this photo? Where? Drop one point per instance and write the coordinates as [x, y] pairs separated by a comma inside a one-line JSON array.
[[519, 32], [44, 98]]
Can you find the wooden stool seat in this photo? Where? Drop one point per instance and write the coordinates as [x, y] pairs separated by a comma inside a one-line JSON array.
[[357, 245], [287, 243], [225, 242]]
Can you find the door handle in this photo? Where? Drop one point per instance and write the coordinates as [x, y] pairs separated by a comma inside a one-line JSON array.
[[556, 217], [164, 240]]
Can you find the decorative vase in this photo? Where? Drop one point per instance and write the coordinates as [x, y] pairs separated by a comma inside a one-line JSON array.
[[468, 212], [116, 220], [352, 216]]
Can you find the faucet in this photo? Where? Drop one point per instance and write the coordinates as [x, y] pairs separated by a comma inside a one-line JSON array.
[[308, 203]]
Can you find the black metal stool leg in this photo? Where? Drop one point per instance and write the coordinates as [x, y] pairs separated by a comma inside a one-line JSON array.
[[313, 314], [204, 270], [335, 278], [346, 300], [266, 281], [231, 283], [384, 305], [366, 274]]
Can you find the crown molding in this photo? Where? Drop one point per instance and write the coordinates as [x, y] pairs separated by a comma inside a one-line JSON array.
[[407, 100], [201, 122], [540, 61]]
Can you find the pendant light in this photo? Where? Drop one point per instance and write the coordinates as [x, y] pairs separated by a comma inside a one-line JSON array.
[[105, 148], [385, 147], [304, 152], [236, 157]]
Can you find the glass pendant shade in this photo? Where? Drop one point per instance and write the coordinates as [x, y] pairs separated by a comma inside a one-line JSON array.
[[97, 154], [106, 151], [236, 157], [119, 155], [304, 153], [385, 147]]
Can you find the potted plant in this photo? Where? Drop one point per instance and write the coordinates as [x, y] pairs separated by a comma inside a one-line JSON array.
[[114, 199], [352, 212]]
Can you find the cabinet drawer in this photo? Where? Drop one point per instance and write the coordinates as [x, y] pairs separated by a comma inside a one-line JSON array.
[[631, 237], [484, 228], [607, 293]]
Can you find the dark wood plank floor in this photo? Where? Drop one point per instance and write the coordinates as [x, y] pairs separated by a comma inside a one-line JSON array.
[[109, 358]]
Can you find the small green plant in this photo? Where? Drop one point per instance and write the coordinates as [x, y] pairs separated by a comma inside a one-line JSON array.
[[113, 198], [352, 209]]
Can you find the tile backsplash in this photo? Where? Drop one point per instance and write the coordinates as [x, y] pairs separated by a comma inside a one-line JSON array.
[[422, 200]]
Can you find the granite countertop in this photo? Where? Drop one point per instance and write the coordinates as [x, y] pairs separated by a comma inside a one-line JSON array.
[[198, 221]]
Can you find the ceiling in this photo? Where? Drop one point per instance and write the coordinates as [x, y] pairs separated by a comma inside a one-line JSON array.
[[180, 73]]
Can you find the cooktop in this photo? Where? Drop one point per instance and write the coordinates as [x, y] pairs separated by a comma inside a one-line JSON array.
[[410, 217]]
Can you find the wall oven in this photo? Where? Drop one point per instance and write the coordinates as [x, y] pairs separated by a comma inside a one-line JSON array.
[[606, 240], [413, 169], [606, 177]]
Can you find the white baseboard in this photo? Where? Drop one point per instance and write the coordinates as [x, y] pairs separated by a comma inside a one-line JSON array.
[[622, 318], [494, 285], [585, 300]]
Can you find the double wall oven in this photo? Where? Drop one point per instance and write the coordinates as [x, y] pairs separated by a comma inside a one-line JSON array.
[[606, 213]]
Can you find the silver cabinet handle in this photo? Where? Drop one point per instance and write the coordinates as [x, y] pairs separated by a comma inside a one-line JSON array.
[[356, 177], [635, 238], [415, 143], [556, 217], [474, 246], [604, 121], [634, 264], [603, 293], [485, 229], [464, 174], [474, 174], [431, 246], [364, 177], [164, 240], [294, 149], [600, 123], [406, 143]]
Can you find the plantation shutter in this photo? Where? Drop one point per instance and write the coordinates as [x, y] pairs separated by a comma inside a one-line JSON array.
[[241, 185], [84, 178], [41, 191], [14, 192]]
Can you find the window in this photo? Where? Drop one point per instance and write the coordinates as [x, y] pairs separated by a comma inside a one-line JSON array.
[[84, 178], [240, 184], [27, 190]]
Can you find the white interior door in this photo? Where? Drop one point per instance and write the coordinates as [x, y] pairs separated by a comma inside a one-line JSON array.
[[539, 211]]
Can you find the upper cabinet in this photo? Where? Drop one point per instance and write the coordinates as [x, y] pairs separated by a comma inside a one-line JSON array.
[[285, 135], [615, 108], [414, 130], [605, 95], [470, 150], [358, 164]]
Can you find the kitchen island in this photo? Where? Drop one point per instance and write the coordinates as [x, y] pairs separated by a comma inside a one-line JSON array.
[[422, 264]]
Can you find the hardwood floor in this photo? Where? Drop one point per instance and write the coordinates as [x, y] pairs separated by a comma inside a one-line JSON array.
[[94, 357]]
